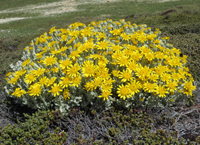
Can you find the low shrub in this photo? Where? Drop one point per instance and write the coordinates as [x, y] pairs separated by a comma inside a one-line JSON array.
[[107, 63]]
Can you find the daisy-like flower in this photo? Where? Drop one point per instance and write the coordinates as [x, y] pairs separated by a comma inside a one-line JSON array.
[[76, 81], [165, 77], [18, 92], [126, 75], [105, 74], [116, 31], [88, 68], [26, 62], [153, 77], [64, 63], [50, 60], [123, 92], [39, 72], [20, 72], [125, 36], [123, 61], [65, 82], [72, 71], [29, 78], [74, 54], [51, 81], [103, 45], [66, 94], [161, 90], [132, 65], [172, 85], [150, 56], [43, 81], [55, 69], [175, 76], [115, 73], [13, 80], [188, 88], [105, 95], [134, 87], [35, 90], [159, 70], [97, 82], [55, 89], [116, 55], [136, 56], [143, 72], [106, 87], [116, 47], [149, 87], [89, 86]]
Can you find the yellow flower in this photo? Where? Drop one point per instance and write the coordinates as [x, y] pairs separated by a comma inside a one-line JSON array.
[[126, 75], [88, 69], [8, 74], [175, 76], [115, 73], [35, 90], [125, 36], [161, 90], [76, 81], [89, 86], [143, 72], [66, 94], [116, 32], [65, 81], [123, 92], [55, 89], [100, 35], [74, 54], [150, 56], [18, 92], [55, 69], [50, 60], [51, 81], [153, 77], [136, 56], [43, 81], [103, 45], [29, 78], [105, 74], [149, 87], [73, 70], [39, 72], [105, 95], [26, 62], [172, 86], [20, 72], [134, 87], [52, 30], [165, 77], [64, 63], [159, 70], [188, 88], [123, 60]]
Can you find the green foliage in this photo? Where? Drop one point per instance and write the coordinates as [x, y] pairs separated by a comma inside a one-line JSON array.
[[33, 131]]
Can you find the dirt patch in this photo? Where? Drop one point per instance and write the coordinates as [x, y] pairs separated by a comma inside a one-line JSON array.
[[6, 20], [56, 8]]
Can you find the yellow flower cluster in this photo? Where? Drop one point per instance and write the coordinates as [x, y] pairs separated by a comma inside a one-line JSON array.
[[106, 57]]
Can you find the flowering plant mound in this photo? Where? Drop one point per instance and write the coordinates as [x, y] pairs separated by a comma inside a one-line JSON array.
[[107, 62]]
